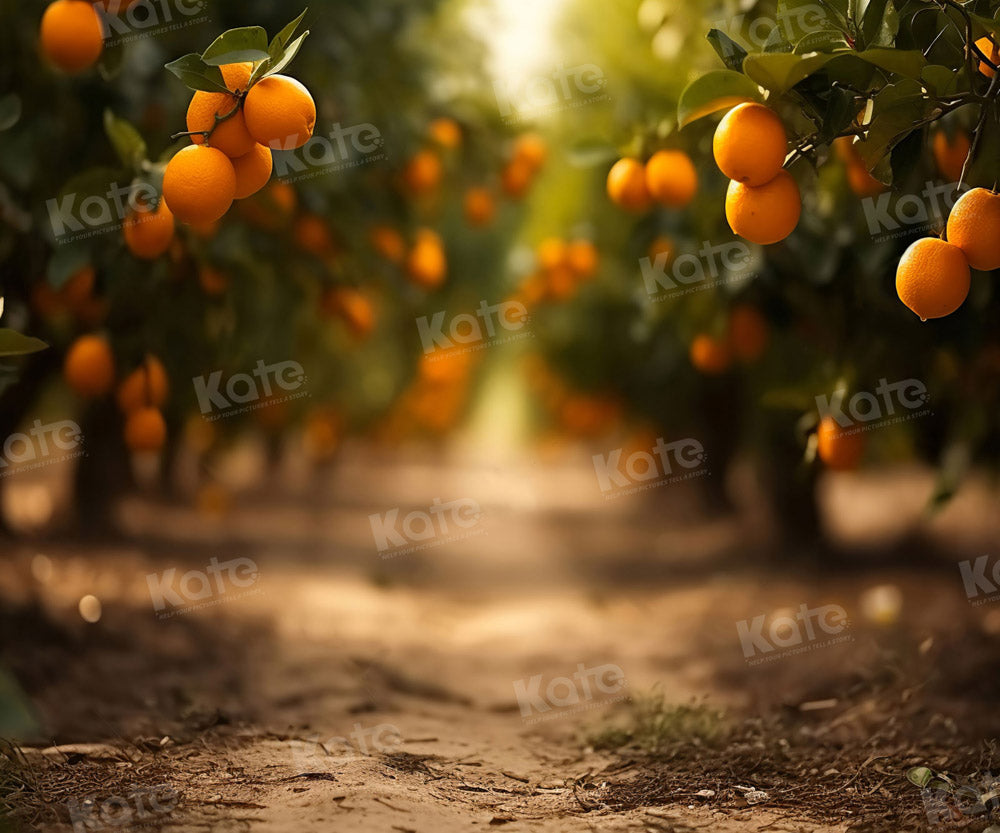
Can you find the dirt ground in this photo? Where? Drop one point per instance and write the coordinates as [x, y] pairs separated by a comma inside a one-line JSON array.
[[339, 690]]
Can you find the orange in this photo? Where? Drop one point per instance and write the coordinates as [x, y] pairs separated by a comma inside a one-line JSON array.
[[321, 436], [427, 263], [710, 355], [671, 178], [840, 450], [748, 333], [146, 385], [950, 154], [479, 207], [145, 430], [388, 243], [627, 185], [79, 289], [661, 245], [582, 257], [72, 36], [271, 208], [515, 178], [280, 113], [861, 182], [933, 278], [220, 115], [148, 233], [253, 170], [561, 283], [530, 149], [422, 173], [353, 307], [199, 184], [750, 144], [974, 226], [312, 234], [764, 214], [89, 367], [989, 49], [445, 132], [212, 281], [551, 253]]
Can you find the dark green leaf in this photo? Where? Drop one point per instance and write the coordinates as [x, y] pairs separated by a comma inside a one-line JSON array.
[[280, 40], [126, 140], [897, 110], [730, 51], [275, 66], [781, 72], [197, 75], [590, 152], [908, 63], [248, 43], [714, 91], [13, 343]]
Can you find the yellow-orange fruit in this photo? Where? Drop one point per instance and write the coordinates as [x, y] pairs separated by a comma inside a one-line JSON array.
[[933, 278], [582, 258], [145, 430], [479, 207], [148, 233], [661, 245], [531, 149], [312, 234], [839, 450], [426, 263], [212, 281], [950, 154], [388, 242], [253, 170], [561, 283], [710, 355], [221, 114], [989, 49], [145, 386], [551, 253], [280, 113], [353, 307], [71, 35], [322, 433], [199, 184], [516, 178], [89, 368], [974, 226], [748, 333], [79, 289], [627, 185], [445, 132], [671, 178], [764, 214], [750, 144], [422, 173]]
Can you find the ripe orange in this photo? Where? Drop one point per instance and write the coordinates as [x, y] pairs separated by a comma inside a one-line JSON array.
[[750, 144], [671, 178], [582, 258], [531, 149], [72, 35], [312, 234], [79, 289], [388, 243], [841, 451], [206, 109], [974, 226], [253, 170], [933, 278], [427, 263], [445, 132], [280, 113], [748, 333], [950, 154], [479, 207], [561, 283], [146, 385], [353, 307], [710, 355], [627, 185], [89, 367], [212, 281], [422, 173], [661, 245], [199, 184], [148, 233], [271, 208], [989, 49], [145, 430], [516, 177], [764, 214], [551, 253]]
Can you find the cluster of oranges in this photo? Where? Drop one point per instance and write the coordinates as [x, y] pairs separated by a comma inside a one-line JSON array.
[[436, 399], [424, 259], [668, 178], [579, 414], [763, 202], [526, 160], [89, 370], [933, 277], [75, 299], [562, 266], [746, 339]]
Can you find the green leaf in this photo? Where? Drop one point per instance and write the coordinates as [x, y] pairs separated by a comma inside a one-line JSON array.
[[940, 80], [280, 40], [10, 111], [112, 61], [730, 51], [824, 40], [248, 43], [896, 111], [780, 72], [920, 776], [590, 152], [878, 23], [275, 66], [908, 63], [197, 75], [127, 141], [13, 343], [714, 91]]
